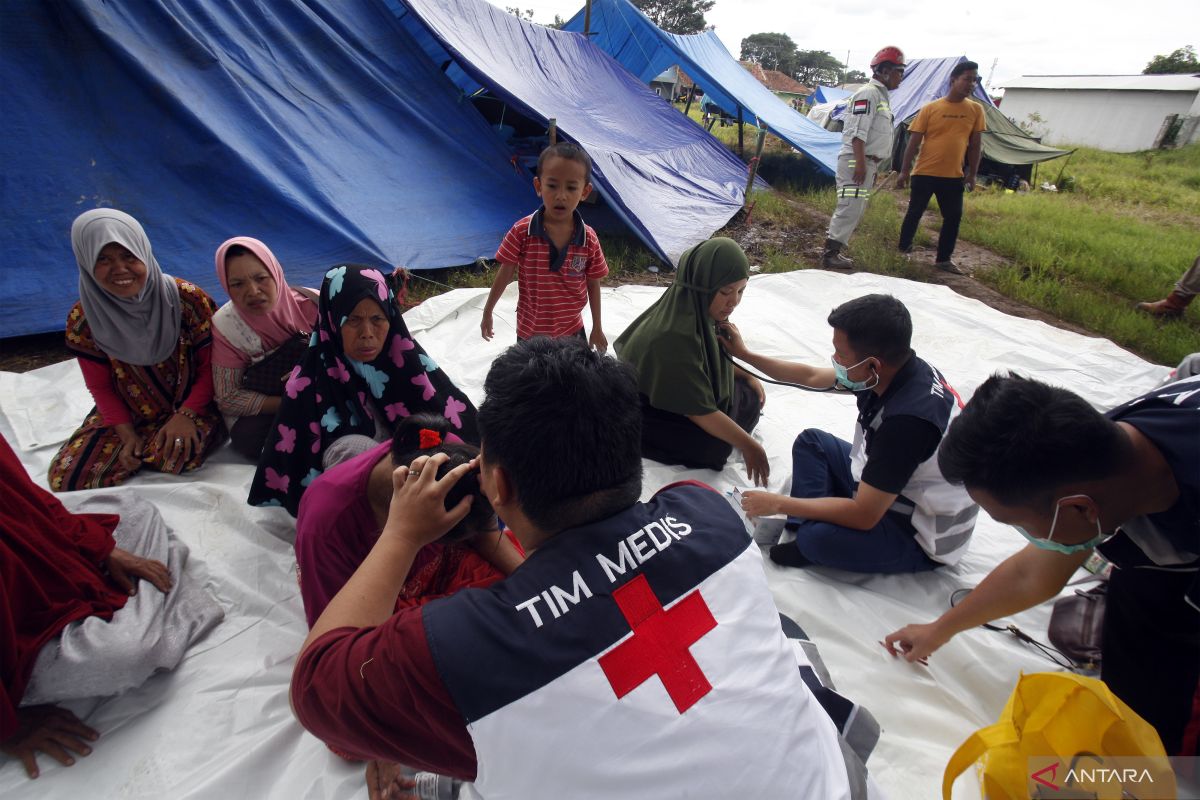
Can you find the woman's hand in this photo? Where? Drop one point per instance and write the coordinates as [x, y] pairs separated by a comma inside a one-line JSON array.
[[386, 780], [757, 466], [178, 439], [760, 504], [130, 455], [124, 566], [417, 513], [50, 730]]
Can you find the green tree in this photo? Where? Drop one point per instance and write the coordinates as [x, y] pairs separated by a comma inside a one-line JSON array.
[[526, 15], [771, 50], [855, 76], [677, 16], [817, 66], [1181, 61], [558, 23]]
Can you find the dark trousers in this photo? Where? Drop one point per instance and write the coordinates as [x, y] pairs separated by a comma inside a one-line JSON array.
[[821, 468], [674, 439], [1151, 651], [248, 435], [949, 193], [579, 334]]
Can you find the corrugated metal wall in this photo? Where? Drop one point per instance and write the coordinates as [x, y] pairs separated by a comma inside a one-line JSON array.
[[1117, 121]]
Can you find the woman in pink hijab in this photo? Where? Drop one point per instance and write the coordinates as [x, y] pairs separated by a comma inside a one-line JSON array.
[[258, 336]]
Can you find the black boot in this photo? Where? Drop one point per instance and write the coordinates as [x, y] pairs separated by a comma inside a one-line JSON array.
[[833, 258]]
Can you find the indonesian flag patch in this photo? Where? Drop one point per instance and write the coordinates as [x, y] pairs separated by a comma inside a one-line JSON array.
[[862, 106]]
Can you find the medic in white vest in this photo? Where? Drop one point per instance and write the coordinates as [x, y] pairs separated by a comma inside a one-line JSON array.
[[636, 653], [880, 504]]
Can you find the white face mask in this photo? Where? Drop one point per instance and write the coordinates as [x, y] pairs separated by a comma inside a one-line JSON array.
[[1066, 549], [842, 376]]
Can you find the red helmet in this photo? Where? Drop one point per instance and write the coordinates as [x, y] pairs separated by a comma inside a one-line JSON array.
[[888, 54]]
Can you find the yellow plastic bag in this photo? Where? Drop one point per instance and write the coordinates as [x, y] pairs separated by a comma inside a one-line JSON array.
[[1062, 734]]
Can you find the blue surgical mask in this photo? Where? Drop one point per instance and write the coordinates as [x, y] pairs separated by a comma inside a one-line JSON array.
[[1066, 549], [841, 375]]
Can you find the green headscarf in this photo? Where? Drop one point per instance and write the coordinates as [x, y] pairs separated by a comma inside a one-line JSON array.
[[673, 345]]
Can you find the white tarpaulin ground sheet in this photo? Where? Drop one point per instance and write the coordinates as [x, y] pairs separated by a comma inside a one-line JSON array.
[[219, 726]]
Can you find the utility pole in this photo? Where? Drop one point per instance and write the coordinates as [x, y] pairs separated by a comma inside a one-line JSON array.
[[587, 19]]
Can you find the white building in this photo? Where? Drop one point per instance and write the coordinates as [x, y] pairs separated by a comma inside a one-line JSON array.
[[666, 84], [1118, 113]]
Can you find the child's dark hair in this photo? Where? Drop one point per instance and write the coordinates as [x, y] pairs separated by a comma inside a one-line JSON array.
[[425, 435], [569, 151], [236, 250]]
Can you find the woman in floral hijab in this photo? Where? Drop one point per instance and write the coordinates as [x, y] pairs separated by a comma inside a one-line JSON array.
[[363, 372]]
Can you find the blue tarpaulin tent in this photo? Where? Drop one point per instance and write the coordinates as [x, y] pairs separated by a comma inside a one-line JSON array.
[[668, 179], [925, 80], [625, 33], [332, 131], [829, 94], [320, 128]]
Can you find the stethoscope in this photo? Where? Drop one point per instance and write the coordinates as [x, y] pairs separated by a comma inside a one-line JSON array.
[[834, 387]]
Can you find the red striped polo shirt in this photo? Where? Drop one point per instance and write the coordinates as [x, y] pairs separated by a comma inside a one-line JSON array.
[[550, 300]]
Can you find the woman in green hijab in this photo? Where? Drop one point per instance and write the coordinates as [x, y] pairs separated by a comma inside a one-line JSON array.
[[696, 404]]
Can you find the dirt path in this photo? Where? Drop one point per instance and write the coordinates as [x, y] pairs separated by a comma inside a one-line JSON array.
[[808, 243]]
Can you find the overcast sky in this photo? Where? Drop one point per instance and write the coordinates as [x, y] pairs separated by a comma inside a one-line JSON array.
[[1028, 37]]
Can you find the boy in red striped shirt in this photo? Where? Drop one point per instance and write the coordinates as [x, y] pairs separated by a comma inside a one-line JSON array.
[[555, 256]]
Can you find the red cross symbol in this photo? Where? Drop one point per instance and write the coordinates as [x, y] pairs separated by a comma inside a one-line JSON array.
[[659, 645]]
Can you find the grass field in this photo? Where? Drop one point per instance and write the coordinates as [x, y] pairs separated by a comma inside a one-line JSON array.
[[1127, 231]]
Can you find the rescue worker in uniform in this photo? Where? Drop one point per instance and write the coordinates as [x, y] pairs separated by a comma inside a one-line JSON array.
[[866, 141]]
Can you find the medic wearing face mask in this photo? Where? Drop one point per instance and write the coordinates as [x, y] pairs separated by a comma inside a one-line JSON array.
[[1126, 484], [1067, 549], [886, 483], [841, 376]]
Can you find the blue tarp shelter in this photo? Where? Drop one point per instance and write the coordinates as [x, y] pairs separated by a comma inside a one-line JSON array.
[[829, 94], [925, 80], [625, 33], [318, 126], [668, 179]]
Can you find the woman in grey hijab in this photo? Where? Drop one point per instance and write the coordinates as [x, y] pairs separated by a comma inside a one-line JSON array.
[[144, 343]]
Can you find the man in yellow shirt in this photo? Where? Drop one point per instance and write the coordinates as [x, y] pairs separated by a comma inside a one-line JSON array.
[[947, 132]]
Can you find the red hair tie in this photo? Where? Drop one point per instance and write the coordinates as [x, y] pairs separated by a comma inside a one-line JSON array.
[[429, 439]]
